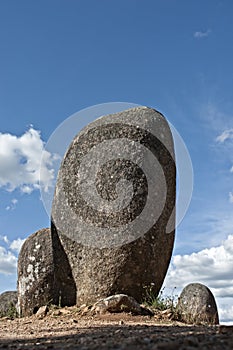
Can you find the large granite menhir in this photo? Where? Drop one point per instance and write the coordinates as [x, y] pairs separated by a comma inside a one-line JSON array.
[[114, 205]]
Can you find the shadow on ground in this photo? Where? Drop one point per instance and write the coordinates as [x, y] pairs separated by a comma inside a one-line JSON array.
[[122, 337]]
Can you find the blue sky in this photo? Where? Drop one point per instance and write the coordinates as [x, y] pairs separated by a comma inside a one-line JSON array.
[[58, 57]]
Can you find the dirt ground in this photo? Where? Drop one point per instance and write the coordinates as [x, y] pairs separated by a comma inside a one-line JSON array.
[[68, 329]]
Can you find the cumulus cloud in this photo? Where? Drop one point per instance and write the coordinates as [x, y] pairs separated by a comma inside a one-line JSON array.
[[225, 310], [4, 239], [201, 34], [225, 135], [17, 244], [8, 255], [212, 267], [21, 166], [8, 262]]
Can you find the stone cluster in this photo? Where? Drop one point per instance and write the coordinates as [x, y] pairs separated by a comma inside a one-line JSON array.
[[113, 216], [112, 223]]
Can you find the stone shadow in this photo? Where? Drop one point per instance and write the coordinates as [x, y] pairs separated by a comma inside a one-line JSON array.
[[64, 287]]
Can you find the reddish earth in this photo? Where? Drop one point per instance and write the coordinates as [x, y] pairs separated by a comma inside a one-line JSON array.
[[68, 329]]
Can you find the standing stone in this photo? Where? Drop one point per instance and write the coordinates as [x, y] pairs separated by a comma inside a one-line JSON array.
[[8, 301], [197, 305], [114, 205], [35, 273], [40, 281]]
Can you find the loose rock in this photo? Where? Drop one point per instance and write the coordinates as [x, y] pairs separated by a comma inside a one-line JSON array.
[[42, 312], [119, 303]]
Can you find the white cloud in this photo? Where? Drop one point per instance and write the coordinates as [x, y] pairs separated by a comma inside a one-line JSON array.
[[225, 309], [8, 262], [20, 159], [12, 205], [212, 267], [14, 201], [17, 244], [4, 239], [201, 34], [230, 197], [225, 135], [205, 228], [28, 189]]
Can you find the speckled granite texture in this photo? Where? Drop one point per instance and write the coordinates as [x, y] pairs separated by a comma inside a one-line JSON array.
[[114, 204]]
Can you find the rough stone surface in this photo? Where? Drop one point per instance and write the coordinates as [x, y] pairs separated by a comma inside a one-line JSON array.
[[40, 281], [35, 273], [115, 244], [197, 305], [119, 303], [7, 301]]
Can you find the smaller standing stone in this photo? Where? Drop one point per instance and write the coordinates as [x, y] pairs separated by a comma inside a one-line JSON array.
[[35, 273], [8, 301], [197, 305], [44, 274]]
